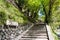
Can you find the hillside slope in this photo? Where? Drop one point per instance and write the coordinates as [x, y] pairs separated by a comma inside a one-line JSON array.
[[11, 12]]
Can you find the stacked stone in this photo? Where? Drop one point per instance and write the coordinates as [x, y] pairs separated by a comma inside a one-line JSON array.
[[10, 34]]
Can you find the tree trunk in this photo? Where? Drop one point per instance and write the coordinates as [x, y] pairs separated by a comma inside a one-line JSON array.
[[26, 13]]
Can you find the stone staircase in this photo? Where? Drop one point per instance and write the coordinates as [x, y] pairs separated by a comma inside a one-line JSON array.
[[37, 32]]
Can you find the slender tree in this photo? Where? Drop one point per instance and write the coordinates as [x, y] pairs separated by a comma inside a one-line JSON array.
[[29, 8], [47, 9]]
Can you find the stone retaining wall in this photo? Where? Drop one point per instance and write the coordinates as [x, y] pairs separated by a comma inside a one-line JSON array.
[[11, 33]]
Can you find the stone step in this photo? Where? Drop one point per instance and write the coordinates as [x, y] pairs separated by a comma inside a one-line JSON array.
[[36, 32], [38, 29], [32, 39], [35, 37], [41, 34]]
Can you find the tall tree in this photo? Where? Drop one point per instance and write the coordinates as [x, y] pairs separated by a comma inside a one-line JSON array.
[[47, 9], [29, 8]]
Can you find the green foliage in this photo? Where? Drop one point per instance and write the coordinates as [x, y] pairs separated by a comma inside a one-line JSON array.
[[3, 18], [55, 17], [31, 6], [10, 12]]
